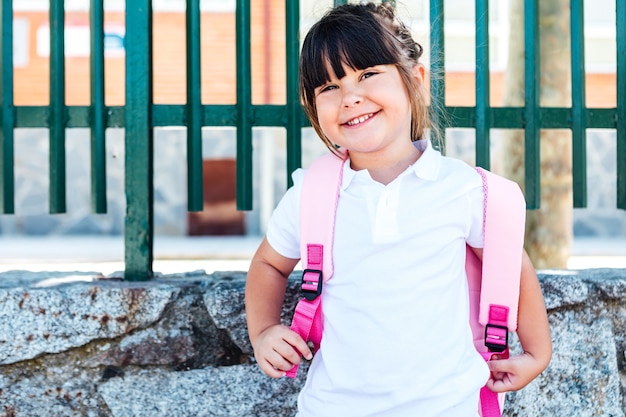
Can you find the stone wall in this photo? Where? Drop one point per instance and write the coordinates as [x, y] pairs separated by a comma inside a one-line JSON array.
[[86, 345]]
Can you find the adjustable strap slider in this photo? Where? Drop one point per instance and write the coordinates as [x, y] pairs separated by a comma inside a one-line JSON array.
[[497, 330], [496, 337], [311, 283]]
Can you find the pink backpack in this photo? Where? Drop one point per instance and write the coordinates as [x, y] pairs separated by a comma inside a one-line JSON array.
[[493, 283]]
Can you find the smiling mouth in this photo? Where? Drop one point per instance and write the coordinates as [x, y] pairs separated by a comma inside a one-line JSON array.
[[359, 120]]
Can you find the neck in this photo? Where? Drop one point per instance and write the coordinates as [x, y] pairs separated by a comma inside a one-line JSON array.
[[384, 168]]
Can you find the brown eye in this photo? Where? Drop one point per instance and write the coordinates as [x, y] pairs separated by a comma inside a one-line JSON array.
[[327, 88], [368, 74]]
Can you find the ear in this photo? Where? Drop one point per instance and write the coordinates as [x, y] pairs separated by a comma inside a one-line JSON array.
[[419, 72]]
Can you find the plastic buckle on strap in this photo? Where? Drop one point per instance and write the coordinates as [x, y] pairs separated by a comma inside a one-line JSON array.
[[311, 287], [496, 337]]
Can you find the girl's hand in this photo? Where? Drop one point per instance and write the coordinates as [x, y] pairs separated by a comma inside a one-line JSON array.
[[514, 373], [277, 349], [533, 331]]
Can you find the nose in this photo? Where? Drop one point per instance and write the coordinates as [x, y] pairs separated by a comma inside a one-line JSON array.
[[351, 96]]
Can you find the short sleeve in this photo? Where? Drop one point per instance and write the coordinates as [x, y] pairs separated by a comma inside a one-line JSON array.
[[283, 230], [476, 195]]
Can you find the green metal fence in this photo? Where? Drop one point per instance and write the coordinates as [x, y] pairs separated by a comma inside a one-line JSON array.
[[139, 116]]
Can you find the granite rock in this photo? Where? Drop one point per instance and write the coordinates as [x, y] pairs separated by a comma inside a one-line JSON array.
[[87, 345]]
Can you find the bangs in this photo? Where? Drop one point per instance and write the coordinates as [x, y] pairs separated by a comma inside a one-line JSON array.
[[360, 42]]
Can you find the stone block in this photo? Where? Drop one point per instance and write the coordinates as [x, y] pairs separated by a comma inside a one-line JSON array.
[[36, 320], [582, 378], [227, 391]]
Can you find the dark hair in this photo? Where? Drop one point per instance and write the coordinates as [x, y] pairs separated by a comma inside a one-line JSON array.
[[360, 36]]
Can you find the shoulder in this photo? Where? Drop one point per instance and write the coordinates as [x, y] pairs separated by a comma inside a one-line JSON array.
[[291, 198], [459, 173], [283, 228], [444, 170]]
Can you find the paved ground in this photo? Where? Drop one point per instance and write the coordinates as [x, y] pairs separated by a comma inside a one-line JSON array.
[[105, 254]]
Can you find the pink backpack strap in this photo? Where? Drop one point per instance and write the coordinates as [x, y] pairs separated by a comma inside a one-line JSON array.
[[320, 193], [504, 227]]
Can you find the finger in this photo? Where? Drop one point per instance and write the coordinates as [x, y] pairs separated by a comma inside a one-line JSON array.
[[286, 356], [503, 376], [285, 336], [270, 370], [284, 359], [297, 343], [278, 350], [275, 365], [280, 353], [497, 385], [500, 366]]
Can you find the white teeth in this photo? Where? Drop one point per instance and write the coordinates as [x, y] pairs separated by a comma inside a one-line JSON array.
[[358, 120]]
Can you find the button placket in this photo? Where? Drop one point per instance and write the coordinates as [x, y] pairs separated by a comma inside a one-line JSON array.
[[386, 225]]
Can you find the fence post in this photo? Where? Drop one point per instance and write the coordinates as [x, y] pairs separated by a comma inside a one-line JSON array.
[[97, 112], [579, 119], [57, 107], [532, 121], [621, 103], [195, 191], [7, 115], [437, 71], [139, 221], [483, 101], [244, 107], [294, 109]]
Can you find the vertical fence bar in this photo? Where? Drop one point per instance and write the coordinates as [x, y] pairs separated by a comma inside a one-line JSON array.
[[531, 106], [244, 107], [195, 191], [97, 108], [294, 109], [57, 106], [483, 103], [437, 72], [7, 168], [579, 115], [621, 103], [139, 221]]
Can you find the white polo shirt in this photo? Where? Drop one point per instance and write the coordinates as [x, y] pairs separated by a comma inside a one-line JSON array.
[[396, 340]]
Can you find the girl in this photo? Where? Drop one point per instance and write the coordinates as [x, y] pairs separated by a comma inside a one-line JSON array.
[[396, 336]]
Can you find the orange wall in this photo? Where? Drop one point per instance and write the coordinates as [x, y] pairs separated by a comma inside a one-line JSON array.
[[217, 52], [461, 89]]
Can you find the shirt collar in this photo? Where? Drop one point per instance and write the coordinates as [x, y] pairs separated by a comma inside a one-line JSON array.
[[348, 174], [426, 167], [428, 164]]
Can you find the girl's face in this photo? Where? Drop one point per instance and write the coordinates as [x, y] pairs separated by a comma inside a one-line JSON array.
[[367, 111]]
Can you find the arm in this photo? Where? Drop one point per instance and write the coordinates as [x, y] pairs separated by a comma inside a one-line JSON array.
[[276, 347], [533, 331]]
